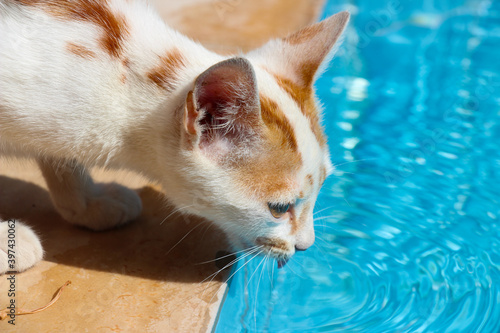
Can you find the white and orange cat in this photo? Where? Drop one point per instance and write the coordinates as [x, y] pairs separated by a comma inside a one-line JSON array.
[[88, 83]]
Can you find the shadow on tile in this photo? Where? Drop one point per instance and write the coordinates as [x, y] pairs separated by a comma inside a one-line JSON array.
[[150, 247]]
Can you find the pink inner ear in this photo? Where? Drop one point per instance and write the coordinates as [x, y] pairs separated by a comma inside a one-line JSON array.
[[228, 84], [227, 98], [223, 87]]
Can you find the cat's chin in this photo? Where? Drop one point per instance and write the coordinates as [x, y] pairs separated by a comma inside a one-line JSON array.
[[275, 248]]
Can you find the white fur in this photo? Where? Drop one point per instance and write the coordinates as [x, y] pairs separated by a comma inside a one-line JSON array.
[[70, 113], [25, 249]]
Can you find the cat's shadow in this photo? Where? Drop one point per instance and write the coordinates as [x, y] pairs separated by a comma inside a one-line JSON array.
[[151, 247]]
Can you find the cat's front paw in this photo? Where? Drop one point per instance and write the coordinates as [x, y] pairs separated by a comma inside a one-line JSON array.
[[107, 206], [20, 247]]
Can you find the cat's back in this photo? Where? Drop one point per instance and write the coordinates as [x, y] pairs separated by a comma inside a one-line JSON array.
[[54, 48], [88, 28]]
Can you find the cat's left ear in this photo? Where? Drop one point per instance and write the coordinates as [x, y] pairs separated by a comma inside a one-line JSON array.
[[223, 108], [299, 56]]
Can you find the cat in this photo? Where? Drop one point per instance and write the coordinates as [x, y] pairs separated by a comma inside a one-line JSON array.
[[234, 139]]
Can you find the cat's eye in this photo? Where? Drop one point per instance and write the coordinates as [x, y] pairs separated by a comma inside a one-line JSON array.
[[278, 209]]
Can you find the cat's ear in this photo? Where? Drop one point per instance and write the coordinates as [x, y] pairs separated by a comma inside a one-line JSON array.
[[299, 56], [223, 108]]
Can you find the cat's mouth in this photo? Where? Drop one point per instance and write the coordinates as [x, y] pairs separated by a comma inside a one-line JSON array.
[[279, 249]]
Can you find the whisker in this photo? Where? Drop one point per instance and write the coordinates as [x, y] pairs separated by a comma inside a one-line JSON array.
[[216, 273], [270, 275], [208, 287], [234, 261], [262, 261], [335, 226], [257, 291], [318, 237], [345, 172], [326, 256], [227, 280], [253, 250], [317, 218], [290, 267], [322, 210], [227, 255], [355, 161], [243, 265], [175, 211], [212, 276], [324, 217], [295, 261], [189, 232]]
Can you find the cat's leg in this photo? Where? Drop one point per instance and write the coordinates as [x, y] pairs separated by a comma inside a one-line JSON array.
[[82, 202], [20, 247]]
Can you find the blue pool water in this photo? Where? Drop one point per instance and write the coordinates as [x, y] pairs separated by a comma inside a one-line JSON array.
[[408, 233]]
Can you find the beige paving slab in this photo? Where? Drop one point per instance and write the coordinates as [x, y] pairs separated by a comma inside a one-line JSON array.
[[230, 26]]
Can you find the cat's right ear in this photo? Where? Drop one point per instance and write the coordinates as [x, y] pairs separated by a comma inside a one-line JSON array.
[[223, 108]]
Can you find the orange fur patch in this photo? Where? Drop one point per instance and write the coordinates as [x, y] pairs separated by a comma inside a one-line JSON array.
[[125, 67], [305, 99], [308, 185], [270, 172], [310, 179], [281, 131], [126, 63], [165, 75], [80, 50], [267, 176], [96, 12], [306, 73], [302, 218]]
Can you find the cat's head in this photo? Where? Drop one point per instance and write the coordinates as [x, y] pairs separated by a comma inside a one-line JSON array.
[[252, 133]]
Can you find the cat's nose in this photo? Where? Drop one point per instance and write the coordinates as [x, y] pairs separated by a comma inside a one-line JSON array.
[[304, 239], [303, 245], [299, 248]]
